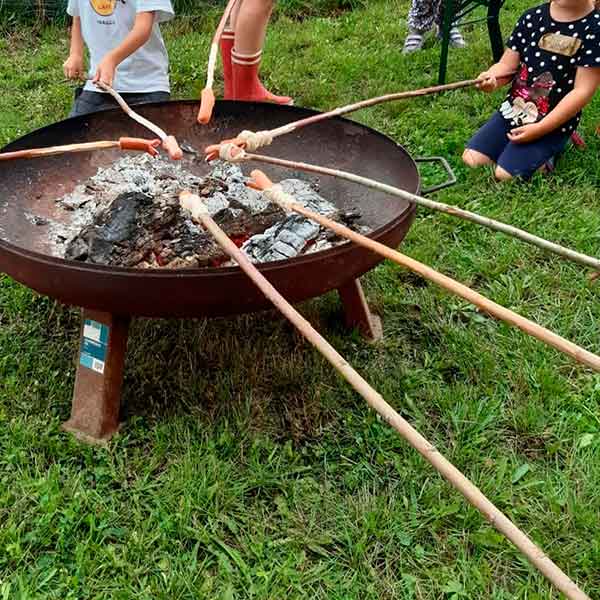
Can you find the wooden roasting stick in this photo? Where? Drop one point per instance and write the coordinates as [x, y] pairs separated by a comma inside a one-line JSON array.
[[169, 143], [234, 154], [278, 196], [252, 141], [500, 521], [207, 101], [124, 143]]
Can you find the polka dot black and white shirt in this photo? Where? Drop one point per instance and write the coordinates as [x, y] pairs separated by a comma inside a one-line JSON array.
[[550, 52]]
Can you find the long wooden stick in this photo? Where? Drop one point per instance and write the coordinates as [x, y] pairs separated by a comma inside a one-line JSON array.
[[254, 140], [138, 144], [454, 211], [207, 102], [467, 488], [277, 195], [169, 143]]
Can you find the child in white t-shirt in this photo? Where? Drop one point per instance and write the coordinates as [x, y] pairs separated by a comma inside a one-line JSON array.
[[126, 51]]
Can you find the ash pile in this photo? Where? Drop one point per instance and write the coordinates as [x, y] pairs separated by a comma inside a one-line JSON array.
[[128, 215]]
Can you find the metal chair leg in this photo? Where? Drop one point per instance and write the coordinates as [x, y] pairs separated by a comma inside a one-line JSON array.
[[495, 33], [446, 26]]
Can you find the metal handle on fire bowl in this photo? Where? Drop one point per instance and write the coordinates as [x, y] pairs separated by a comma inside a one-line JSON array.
[[440, 186]]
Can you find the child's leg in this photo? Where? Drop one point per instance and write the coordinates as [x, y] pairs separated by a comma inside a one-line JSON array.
[[251, 28], [473, 158], [456, 38], [251, 25], [486, 146], [234, 15], [226, 46], [523, 160], [421, 17]]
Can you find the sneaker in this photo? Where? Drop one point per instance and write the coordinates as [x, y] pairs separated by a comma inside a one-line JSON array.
[[456, 38], [414, 41]]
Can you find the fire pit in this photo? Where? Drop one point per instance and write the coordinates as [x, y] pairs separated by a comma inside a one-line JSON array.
[[111, 295]]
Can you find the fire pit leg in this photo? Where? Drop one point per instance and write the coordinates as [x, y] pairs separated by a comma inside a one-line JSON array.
[[97, 395], [357, 312]]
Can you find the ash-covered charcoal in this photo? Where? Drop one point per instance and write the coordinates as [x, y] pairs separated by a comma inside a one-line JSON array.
[[129, 215], [77, 198], [295, 234], [240, 223], [135, 231], [113, 234], [241, 196], [305, 193], [350, 217], [227, 172], [284, 240]]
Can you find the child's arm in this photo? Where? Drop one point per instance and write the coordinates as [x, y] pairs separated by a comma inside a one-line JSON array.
[[587, 81], [137, 37], [73, 67], [500, 73]]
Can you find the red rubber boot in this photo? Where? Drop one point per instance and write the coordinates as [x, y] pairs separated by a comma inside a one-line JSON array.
[[226, 45], [247, 85]]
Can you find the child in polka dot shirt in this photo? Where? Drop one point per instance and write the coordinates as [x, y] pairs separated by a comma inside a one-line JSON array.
[[554, 52]]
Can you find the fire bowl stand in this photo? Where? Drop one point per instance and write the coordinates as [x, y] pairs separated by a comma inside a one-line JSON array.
[[100, 364]]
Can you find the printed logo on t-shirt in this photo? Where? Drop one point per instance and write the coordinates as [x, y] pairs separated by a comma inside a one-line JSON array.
[[560, 44], [528, 103], [105, 8]]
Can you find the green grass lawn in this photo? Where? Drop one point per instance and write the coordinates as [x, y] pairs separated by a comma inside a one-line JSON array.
[[245, 469]]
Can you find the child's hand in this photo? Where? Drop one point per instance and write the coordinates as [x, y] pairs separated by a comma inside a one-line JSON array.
[[489, 83], [106, 71], [525, 133], [73, 67]]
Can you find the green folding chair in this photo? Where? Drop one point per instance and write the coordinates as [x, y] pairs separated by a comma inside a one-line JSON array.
[[454, 13]]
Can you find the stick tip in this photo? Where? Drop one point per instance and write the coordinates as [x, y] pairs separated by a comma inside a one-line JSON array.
[[172, 147], [192, 203]]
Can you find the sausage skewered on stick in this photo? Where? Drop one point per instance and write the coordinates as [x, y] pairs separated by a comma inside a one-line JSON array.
[[139, 144], [207, 102]]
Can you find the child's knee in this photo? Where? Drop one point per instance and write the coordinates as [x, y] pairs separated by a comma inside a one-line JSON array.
[[468, 158], [501, 174], [472, 158]]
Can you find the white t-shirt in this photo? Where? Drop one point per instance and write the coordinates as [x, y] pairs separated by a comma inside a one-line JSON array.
[[106, 23]]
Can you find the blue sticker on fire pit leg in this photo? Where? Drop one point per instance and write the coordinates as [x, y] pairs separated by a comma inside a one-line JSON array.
[[94, 344]]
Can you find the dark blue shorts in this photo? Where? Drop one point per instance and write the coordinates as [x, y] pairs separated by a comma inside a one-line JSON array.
[[520, 160]]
